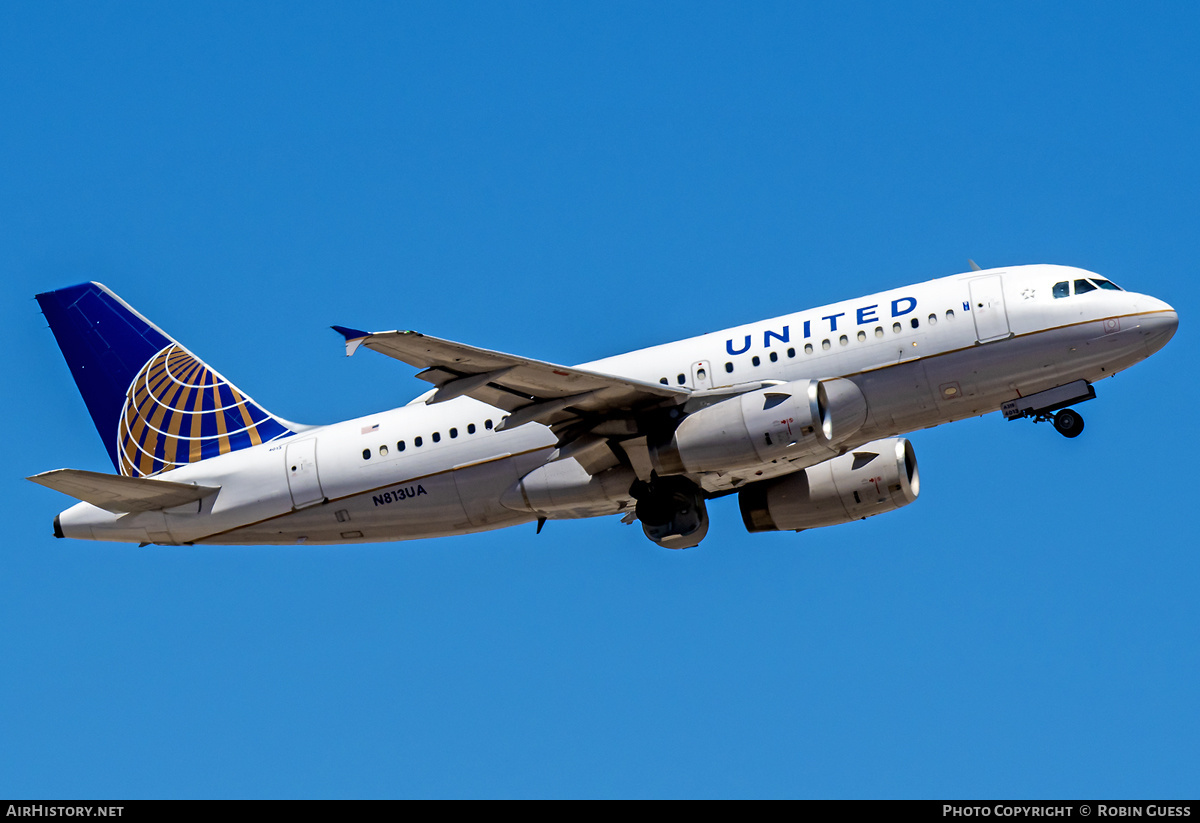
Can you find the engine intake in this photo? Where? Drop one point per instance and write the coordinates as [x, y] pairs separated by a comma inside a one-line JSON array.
[[878, 477]]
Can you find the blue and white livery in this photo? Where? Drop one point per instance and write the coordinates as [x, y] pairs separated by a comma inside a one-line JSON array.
[[799, 416]]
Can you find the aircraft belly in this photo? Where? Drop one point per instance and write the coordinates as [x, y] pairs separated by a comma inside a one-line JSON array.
[[978, 379], [898, 397], [1109, 349], [953, 382], [1041, 361], [461, 501], [425, 507], [480, 488], [89, 522]]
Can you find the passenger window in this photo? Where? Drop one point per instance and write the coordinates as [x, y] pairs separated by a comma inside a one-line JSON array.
[[487, 424], [915, 323], [949, 314], [1083, 287], [729, 368], [791, 352], [808, 348], [879, 331], [824, 345], [774, 357], [933, 319], [366, 454], [754, 361], [417, 442], [400, 446], [681, 379], [896, 328], [470, 428], [862, 336], [664, 381], [453, 433], [437, 437], [843, 340], [383, 451], [1062, 289]]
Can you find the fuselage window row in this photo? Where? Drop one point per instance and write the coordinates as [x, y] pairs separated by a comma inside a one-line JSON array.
[[418, 441], [843, 340]]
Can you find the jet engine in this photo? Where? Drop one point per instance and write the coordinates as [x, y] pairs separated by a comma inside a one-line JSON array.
[[878, 477], [804, 418]]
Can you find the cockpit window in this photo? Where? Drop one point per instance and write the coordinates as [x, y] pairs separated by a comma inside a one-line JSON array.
[[1107, 285], [1062, 289], [1083, 287]]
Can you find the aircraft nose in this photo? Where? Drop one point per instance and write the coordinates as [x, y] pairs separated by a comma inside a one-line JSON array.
[[1159, 326]]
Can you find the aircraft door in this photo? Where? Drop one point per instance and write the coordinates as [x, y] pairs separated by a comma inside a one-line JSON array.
[[701, 375], [300, 461], [987, 307]]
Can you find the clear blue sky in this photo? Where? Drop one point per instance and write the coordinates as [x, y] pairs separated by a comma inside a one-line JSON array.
[[568, 181]]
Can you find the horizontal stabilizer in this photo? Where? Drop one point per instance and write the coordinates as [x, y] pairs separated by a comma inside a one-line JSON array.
[[119, 494]]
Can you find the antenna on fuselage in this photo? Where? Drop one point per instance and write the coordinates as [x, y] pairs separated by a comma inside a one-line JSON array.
[[974, 265]]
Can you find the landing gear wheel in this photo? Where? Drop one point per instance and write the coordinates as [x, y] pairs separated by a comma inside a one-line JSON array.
[[1069, 423], [672, 511]]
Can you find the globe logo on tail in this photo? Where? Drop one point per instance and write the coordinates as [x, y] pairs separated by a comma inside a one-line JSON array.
[[178, 410]]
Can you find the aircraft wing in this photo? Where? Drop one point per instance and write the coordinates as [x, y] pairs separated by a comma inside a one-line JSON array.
[[119, 494], [532, 390]]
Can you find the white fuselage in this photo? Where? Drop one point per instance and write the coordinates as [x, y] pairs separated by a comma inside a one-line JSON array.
[[922, 355]]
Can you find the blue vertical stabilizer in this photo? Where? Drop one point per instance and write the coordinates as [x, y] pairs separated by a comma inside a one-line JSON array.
[[154, 403]]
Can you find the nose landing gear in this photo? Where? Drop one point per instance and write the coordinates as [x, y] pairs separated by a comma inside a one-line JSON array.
[[1068, 423], [1051, 405]]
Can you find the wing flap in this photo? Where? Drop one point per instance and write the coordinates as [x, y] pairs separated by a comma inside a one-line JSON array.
[[543, 392], [122, 495]]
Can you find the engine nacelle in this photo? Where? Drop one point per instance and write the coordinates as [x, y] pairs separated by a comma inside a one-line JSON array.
[[804, 418], [878, 477]]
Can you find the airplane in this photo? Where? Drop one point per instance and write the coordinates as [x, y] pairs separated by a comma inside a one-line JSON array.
[[800, 416]]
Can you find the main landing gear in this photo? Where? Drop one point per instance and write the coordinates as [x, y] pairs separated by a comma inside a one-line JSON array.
[[672, 511]]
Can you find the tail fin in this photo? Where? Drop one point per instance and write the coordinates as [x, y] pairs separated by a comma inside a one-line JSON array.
[[155, 404]]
